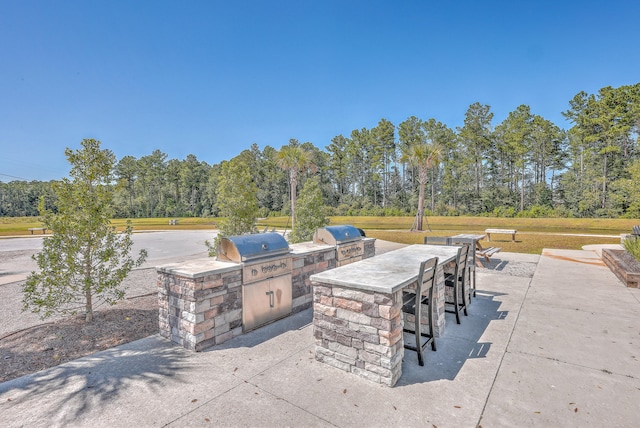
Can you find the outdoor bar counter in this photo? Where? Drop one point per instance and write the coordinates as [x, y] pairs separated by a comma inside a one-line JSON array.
[[357, 310]]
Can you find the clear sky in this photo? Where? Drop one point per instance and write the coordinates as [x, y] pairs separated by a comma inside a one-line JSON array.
[[212, 77]]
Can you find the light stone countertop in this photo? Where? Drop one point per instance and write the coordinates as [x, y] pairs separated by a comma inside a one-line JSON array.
[[198, 268], [388, 272], [308, 247], [477, 237]]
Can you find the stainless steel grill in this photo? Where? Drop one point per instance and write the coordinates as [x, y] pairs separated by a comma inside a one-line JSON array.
[[346, 238], [266, 276], [244, 248], [334, 235]]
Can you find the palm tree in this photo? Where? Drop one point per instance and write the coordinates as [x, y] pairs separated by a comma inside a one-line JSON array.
[[294, 159], [424, 157]]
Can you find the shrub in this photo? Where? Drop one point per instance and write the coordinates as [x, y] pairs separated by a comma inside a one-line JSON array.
[[503, 211], [632, 245], [607, 213], [310, 212], [263, 212], [540, 211], [237, 200], [563, 212]]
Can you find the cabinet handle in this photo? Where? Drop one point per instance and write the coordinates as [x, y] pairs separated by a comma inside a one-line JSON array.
[[271, 301]]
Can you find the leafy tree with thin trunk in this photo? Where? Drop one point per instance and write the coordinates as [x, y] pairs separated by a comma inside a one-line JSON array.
[[517, 129], [476, 139], [237, 201], [85, 260], [606, 123], [423, 157], [294, 159], [127, 172], [410, 133], [439, 136], [311, 212], [385, 134], [339, 165]]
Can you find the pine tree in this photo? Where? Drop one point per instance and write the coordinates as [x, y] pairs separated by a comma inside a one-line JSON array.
[[85, 260]]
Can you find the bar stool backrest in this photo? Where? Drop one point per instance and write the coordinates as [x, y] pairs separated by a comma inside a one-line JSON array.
[[461, 262], [426, 275], [468, 242]]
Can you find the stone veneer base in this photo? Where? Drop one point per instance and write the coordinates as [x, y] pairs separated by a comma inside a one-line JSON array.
[[200, 301], [359, 332]]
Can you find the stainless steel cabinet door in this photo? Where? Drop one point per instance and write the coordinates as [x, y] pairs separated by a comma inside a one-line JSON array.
[[266, 301]]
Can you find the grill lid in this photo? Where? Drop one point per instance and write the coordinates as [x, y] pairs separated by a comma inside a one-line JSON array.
[[336, 234], [242, 248]]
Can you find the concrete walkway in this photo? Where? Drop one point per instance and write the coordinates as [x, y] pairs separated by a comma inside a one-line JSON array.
[[551, 340]]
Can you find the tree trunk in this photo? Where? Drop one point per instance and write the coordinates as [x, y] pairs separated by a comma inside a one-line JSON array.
[[422, 181], [150, 204], [477, 177], [604, 182], [294, 185], [420, 206], [433, 192], [88, 307], [522, 192], [87, 288]]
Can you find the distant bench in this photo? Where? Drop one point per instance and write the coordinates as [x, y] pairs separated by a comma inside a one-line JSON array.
[[511, 232], [488, 252], [173, 222], [43, 229]]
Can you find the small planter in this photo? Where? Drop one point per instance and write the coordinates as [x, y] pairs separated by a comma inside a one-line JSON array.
[[624, 265]]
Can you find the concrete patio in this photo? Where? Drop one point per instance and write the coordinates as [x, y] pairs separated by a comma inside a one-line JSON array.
[[550, 340]]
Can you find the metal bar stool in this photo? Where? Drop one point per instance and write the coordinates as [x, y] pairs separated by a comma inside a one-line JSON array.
[[471, 262], [412, 304], [457, 280]]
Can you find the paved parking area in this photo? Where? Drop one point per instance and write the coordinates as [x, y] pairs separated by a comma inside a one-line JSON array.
[[16, 263]]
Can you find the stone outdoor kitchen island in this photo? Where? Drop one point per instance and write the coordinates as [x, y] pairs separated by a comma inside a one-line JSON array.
[[357, 311], [201, 301]]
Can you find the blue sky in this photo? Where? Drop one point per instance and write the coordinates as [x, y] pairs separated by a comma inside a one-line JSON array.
[[213, 77]]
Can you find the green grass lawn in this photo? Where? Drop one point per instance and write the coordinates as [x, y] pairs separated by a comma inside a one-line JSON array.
[[18, 226], [534, 234], [526, 242]]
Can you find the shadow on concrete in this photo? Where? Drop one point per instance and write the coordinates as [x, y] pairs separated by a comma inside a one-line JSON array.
[[508, 267], [87, 383], [460, 343], [265, 333]]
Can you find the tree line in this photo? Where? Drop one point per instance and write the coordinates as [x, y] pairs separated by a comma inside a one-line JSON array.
[[523, 166]]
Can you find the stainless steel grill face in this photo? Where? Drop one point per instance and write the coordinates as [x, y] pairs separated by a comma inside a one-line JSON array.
[[346, 238], [266, 276], [263, 269], [350, 251]]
